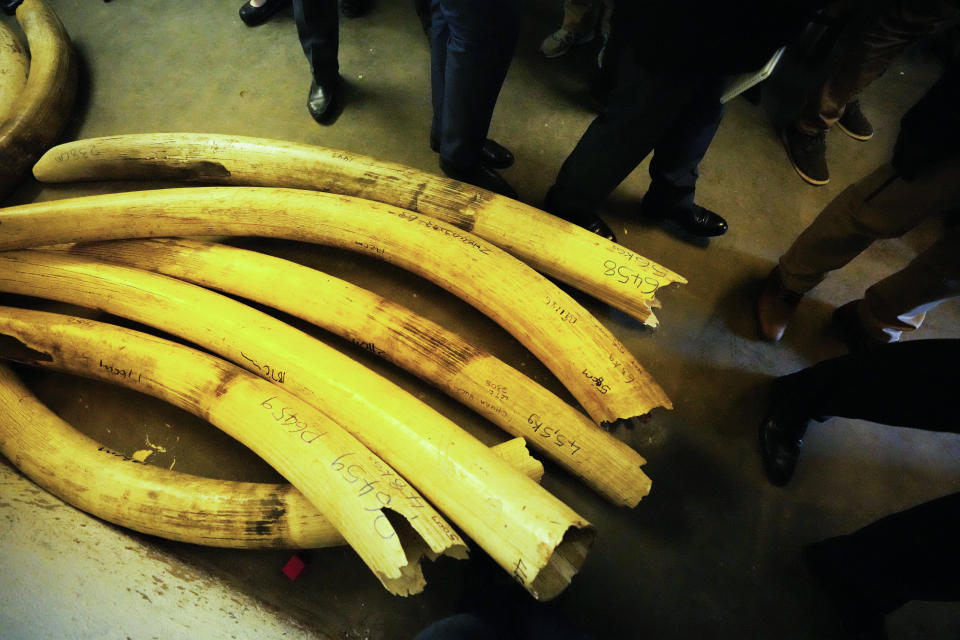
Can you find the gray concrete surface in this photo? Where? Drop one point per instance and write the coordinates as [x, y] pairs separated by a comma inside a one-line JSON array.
[[711, 553]]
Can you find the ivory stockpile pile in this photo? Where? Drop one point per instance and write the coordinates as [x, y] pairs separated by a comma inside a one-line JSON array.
[[369, 465]]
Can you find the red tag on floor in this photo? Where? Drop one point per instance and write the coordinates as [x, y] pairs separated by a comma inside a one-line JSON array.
[[293, 567]]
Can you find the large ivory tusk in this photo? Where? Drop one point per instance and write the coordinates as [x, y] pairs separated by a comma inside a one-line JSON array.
[[356, 490], [43, 107], [478, 379], [13, 70], [597, 369], [525, 529], [599, 267], [161, 502]]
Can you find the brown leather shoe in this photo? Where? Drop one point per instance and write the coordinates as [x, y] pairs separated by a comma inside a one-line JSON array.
[[775, 307]]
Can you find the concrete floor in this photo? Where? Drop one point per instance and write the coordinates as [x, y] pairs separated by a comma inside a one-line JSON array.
[[712, 552]]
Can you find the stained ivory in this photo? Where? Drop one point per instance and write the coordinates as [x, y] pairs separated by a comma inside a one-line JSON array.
[[606, 270], [598, 370], [40, 112], [541, 541], [478, 379], [380, 516], [156, 501], [13, 70]]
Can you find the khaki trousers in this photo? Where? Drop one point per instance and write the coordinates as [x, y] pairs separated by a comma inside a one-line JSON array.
[[883, 205], [878, 35]]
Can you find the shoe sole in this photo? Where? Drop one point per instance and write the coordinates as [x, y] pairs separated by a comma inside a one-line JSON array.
[[581, 40], [814, 181], [855, 136]]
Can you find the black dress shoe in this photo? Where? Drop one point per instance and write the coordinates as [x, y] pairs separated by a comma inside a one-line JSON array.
[[695, 220], [495, 156], [253, 16], [321, 99], [479, 176], [582, 218], [492, 154], [599, 227], [592, 223], [781, 438]]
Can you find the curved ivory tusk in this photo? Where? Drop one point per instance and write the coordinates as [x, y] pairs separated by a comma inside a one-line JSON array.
[[525, 529], [604, 269], [13, 70], [332, 469], [160, 502], [43, 107], [478, 379], [597, 369]]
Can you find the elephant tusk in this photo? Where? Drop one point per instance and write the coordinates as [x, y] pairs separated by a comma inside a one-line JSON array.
[[41, 111], [551, 245], [14, 67]]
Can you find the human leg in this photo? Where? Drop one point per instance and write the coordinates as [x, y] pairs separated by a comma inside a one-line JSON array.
[[908, 384], [882, 205], [318, 26], [911, 555], [867, 50], [900, 302], [473, 46], [641, 107], [674, 168], [878, 206]]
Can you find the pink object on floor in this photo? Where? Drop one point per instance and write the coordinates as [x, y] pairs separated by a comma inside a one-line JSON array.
[[293, 567]]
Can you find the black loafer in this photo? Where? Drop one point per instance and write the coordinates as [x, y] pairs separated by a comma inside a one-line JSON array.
[[780, 443], [695, 220], [599, 227], [479, 176], [582, 217], [253, 16], [492, 155], [321, 99], [495, 156], [591, 222]]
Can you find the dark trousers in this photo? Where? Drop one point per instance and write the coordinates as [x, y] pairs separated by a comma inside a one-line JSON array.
[[674, 115], [905, 384], [915, 554], [318, 26], [872, 41], [472, 44], [911, 555]]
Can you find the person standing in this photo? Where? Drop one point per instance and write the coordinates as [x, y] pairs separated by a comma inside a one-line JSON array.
[[318, 26], [922, 181], [878, 33], [911, 555], [673, 59], [472, 44]]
